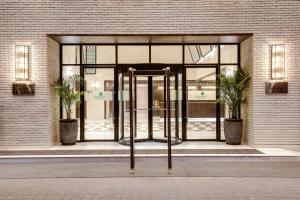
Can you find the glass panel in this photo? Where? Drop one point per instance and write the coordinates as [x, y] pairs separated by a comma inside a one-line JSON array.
[[133, 54], [158, 107], [201, 111], [229, 54], [200, 54], [142, 107], [179, 106], [166, 54], [228, 70], [99, 91], [106, 55], [98, 54], [89, 54], [124, 126], [67, 72], [173, 105], [70, 54]]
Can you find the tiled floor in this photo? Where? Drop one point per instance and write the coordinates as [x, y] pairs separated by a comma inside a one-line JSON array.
[[196, 129]]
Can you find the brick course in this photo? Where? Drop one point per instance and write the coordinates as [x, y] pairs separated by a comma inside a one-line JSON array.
[[32, 121]]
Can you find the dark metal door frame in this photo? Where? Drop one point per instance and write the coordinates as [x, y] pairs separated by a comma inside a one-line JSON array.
[[218, 108], [132, 107], [82, 100], [150, 69]]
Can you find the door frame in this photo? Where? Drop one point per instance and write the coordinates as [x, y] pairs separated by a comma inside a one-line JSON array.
[[123, 68], [82, 99], [218, 106]]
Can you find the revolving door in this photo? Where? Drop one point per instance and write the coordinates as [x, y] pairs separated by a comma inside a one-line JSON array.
[[149, 89]]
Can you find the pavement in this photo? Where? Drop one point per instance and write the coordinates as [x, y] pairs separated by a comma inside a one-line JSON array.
[[211, 172], [109, 178]]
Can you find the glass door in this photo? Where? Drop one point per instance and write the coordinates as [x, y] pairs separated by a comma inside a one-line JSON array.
[[149, 89], [98, 103], [159, 109], [201, 103], [141, 107]]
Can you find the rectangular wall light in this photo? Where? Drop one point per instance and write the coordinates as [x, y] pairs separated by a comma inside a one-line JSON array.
[[278, 65], [22, 63], [22, 85]]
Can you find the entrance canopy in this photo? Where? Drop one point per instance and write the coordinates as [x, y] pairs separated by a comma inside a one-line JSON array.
[[162, 38]]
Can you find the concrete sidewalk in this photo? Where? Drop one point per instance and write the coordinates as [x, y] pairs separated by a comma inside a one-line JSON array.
[[149, 149], [146, 167], [193, 178]]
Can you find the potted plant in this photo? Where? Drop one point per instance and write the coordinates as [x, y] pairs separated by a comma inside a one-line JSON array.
[[68, 127], [232, 94]]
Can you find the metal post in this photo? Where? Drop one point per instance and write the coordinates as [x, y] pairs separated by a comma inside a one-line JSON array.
[[132, 128], [169, 120]]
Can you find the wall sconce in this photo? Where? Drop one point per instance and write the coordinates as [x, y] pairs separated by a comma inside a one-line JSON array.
[[278, 65], [22, 85], [277, 84], [22, 63]]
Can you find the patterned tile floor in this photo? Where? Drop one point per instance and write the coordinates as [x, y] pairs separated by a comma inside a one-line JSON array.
[[108, 126], [196, 129]]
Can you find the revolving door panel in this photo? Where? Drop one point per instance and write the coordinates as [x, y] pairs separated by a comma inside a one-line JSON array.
[[149, 91]]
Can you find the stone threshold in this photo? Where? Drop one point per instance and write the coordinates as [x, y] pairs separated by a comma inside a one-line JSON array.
[[126, 152]]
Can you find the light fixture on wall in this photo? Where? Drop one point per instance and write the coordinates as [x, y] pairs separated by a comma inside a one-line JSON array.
[[278, 61], [22, 63], [22, 84], [277, 84]]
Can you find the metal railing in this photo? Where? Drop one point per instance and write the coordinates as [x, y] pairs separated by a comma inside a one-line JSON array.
[[131, 74]]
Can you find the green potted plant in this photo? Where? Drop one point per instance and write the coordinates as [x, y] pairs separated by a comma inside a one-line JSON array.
[[232, 94], [67, 91]]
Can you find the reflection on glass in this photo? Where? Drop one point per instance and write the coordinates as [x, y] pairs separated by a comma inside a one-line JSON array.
[[227, 70], [99, 90], [201, 86], [124, 122], [200, 54], [133, 54], [106, 54], [166, 54], [70, 54], [67, 73], [89, 54], [142, 128], [98, 54], [159, 110], [229, 54]]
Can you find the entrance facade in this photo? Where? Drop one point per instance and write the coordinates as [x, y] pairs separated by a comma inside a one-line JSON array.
[[103, 109]]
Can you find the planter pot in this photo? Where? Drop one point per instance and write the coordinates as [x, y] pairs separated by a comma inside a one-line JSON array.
[[68, 131], [233, 131]]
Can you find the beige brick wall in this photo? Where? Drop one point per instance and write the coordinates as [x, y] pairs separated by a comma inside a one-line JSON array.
[[53, 99], [27, 121], [246, 109]]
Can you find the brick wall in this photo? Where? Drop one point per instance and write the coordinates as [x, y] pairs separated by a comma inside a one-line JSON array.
[[28, 121], [246, 109], [52, 98]]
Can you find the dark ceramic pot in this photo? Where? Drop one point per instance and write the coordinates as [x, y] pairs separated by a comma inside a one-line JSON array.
[[68, 131], [233, 131]]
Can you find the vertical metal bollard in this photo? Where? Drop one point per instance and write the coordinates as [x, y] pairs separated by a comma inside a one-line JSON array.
[[132, 128], [169, 120]]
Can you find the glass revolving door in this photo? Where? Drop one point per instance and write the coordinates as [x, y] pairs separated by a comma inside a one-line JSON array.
[[149, 100]]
